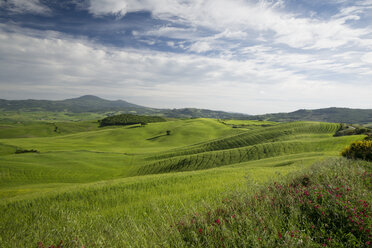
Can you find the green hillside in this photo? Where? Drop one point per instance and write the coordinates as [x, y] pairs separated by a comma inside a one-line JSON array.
[[76, 105], [88, 107], [336, 115], [117, 186]]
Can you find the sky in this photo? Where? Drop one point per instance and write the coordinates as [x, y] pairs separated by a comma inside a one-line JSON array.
[[247, 56]]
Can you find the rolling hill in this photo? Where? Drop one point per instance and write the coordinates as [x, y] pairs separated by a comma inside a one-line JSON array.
[[81, 104], [116, 186], [335, 115], [94, 104]]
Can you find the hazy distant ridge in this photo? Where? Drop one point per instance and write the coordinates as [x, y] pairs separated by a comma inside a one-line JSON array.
[[339, 115], [91, 103], [96, 104]]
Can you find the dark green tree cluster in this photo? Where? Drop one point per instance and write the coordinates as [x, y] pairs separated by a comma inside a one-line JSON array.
[[352, 130], [359, 150], [129, 119]]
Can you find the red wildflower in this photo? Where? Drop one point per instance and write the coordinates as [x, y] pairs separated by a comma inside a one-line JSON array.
[[200, 231], [279, 235], [218, 221]]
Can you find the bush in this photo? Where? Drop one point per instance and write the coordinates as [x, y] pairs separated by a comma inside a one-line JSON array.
[[18, 151], [359, 150]]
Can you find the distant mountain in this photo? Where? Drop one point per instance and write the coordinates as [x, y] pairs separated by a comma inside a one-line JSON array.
[[337, 115], [81, 104], [205, 113], [96, 104]]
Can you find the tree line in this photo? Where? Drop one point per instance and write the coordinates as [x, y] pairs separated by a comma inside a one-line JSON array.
[[129, 119]]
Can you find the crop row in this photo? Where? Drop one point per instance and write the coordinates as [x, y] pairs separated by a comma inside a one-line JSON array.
[[249, 138], [212, 159]]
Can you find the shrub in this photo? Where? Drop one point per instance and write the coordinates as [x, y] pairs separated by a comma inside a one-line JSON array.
[[359, 150], [18, 151]]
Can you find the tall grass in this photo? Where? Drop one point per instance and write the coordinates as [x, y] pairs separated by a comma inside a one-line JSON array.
[[328, 205], [128, 212]]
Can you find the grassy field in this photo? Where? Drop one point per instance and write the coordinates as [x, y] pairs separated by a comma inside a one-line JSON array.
[[124, 186], [249, 122], [44, 116]]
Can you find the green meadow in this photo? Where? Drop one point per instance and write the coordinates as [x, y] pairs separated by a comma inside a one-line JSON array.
[[125, 186]]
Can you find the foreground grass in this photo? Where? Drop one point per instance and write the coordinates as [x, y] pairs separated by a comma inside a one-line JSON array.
[[328, 205], [148, 211], [130, 211]]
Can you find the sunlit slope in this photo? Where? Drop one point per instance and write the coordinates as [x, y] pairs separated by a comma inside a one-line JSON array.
[[286, 131], [63, 167], [289, 138], [110, 153], [32, 129], [103, 154], [132, 139]]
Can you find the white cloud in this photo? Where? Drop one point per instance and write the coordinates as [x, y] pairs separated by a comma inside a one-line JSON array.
[[49, 63], [200, 47], [367, 58], [240, 15], [25, 6]]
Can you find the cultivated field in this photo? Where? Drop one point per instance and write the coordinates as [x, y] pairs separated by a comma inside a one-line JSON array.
[[126, 186]]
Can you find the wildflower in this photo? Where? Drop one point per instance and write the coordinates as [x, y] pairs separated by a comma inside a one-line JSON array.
[[279, 235], [218, 221], [200, 231], [324, 245]]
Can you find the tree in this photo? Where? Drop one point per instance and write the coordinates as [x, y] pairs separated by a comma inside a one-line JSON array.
[[168, 132]]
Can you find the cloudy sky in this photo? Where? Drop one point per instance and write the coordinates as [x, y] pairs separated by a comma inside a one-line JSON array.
[[249, 56]]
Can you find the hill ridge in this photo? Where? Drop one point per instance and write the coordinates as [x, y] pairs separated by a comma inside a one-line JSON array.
[[95, 104]]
